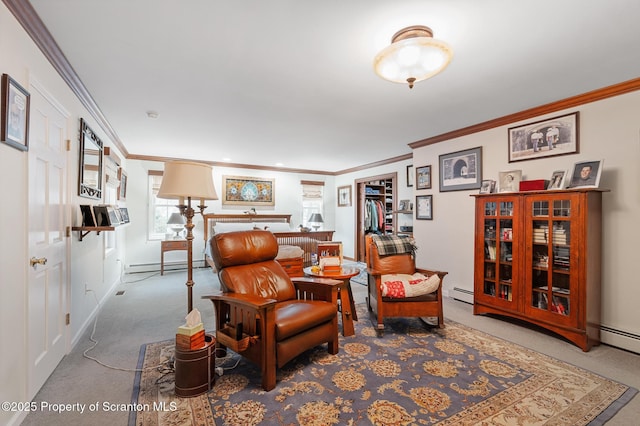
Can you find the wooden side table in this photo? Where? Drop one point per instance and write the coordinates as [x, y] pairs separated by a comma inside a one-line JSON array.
[[347, 304], [170, 245]]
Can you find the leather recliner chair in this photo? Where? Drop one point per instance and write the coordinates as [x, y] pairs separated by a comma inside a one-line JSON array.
[[281, 317]]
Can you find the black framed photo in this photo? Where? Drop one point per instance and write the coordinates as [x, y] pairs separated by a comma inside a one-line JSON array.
[[424, 207], [423, 177], [344, 196], [122, 188], [586, 174], [88, 218], [410, 175], [546, 138], [461, 170], [14, 125]]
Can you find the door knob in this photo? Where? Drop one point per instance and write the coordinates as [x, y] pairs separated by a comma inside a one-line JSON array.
[[34, 261]]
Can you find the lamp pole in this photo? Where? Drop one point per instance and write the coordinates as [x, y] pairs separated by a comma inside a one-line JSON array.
[[188, 212]]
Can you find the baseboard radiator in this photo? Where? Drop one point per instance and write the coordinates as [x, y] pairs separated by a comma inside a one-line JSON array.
[[137, 268], [620, 339], [462, 294]]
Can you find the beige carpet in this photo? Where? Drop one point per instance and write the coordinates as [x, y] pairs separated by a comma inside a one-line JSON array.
[[414, 375]]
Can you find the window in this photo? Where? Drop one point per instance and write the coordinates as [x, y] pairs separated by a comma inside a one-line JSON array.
[[159, 208], [312, 200]]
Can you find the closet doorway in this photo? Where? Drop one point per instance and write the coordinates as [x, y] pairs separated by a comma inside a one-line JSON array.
[[380, 190]]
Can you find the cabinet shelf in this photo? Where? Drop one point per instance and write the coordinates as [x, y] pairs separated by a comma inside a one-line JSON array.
[[86, 230]]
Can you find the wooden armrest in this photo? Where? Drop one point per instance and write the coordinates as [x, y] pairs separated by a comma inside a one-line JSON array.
[[424, 271], [241, 299], [320, 281]]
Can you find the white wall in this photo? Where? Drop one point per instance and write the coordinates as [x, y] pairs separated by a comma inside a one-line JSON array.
[[609, 130], [288, 195], [24, 62]]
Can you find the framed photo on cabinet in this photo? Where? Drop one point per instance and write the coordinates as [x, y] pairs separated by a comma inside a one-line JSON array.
[[557, 180], [509, 180], [424, 207], [586, 174]]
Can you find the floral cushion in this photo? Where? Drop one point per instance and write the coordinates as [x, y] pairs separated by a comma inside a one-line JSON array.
[[405, 285]]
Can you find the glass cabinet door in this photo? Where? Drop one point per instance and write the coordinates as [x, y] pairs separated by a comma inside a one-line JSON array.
[[550, 260], [498, 228]]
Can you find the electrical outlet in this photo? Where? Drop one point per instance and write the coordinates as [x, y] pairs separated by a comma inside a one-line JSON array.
[[219, 371]]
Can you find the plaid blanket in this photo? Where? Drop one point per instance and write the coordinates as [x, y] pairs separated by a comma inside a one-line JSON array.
[[394, 244]]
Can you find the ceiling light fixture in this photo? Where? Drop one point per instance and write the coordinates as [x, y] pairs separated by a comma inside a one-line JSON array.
[[414, 55]]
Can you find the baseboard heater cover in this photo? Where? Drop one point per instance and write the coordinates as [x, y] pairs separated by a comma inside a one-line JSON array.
[[463, 295], [620, 339]]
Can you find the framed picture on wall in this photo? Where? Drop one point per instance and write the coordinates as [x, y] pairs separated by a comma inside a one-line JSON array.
[[461, 170], [14, 124], [410, 175], [423, 177], [344, 196], [424, 207], [546, 138]]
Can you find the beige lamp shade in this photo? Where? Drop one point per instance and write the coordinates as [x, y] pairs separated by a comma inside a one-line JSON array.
[[182, 179]]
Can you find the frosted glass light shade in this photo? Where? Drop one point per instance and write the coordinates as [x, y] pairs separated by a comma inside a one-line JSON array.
[[183, 179], [414, 55]]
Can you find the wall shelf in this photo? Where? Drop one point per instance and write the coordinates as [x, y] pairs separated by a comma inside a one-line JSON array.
[[85, 230]]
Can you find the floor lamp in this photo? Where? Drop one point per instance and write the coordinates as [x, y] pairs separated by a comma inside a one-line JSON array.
[[184, 180]]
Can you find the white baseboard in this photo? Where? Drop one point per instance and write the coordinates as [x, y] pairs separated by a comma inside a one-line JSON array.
[[462, 294], [620, 339]]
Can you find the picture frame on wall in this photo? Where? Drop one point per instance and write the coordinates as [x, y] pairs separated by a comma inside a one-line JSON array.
[[410, 175], [586, 174], [461, 170], [546, 138], [557, 180], [424, 207], [423, 177], [248, 191], [122, 188], [344, 196], [14, 124]]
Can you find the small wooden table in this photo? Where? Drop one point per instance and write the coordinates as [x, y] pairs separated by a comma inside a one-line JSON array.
[[170, 245], [347, 304]]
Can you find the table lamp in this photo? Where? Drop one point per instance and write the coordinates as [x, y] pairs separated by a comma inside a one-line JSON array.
[[186, 180], [176, 224], [316, 218]]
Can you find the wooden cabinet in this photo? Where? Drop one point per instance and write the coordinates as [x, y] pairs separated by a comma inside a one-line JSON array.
[[537, 258]]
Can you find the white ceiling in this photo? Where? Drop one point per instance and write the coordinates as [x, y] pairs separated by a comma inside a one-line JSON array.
[[292, 82]]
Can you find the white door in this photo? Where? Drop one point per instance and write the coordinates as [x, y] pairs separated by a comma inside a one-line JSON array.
[[48, 282]]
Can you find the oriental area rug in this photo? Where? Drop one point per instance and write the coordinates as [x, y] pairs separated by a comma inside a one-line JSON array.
[[413, 375]]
